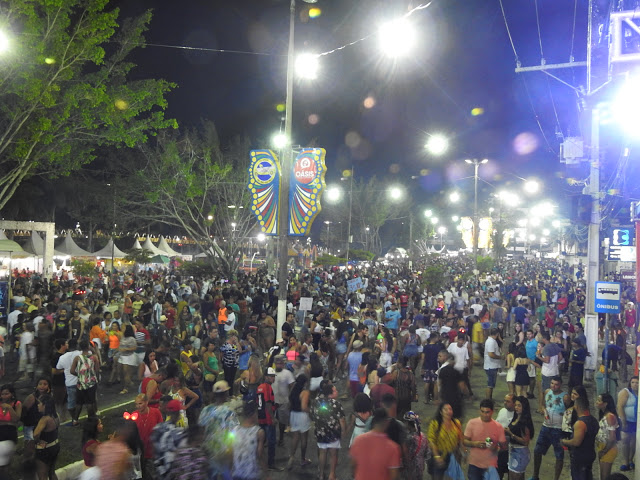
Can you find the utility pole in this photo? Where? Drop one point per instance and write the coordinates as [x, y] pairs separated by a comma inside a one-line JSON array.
[[350, 209], [476, 163]]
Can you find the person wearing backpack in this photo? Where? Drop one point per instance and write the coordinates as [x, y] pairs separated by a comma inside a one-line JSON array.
[[85, 366]]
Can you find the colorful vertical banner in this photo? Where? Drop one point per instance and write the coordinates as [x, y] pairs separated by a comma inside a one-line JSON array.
[[305, 190], [4, 298], [264, 185]]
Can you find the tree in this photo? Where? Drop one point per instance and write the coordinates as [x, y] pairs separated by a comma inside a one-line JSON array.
[[361, 255], [330, 260], [190, 182], [370, 210], [65, 88], [141, 257], [434, 277], [485, 264], [83, 268]]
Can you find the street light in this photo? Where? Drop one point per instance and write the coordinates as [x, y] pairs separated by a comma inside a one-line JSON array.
[[455, 218], [531, 186], [334, 193], [307, 66], [437, 144], [434, 220], [287, 160], [454, 197], [279, 140], [442, 231], [428, 213], [476, 163], [396, 193], [396, 37], [4, 42], [328, 223]]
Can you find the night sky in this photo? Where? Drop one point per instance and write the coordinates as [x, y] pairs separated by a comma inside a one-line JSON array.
[[463, 61]]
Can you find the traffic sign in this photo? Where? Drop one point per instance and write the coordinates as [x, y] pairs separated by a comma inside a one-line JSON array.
[[607, 297], [621, 236], [621, 253]]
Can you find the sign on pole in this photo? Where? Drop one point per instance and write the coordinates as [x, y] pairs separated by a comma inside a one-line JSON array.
[[607, 297], [354, 284], [306, 304]]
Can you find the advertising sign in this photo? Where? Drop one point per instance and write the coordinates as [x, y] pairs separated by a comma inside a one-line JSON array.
[[621, 253], [622, 236], [305, 190], [306, 304], [607, 297], [264, 185]]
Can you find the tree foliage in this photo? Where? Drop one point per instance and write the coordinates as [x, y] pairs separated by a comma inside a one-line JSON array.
[[434, 277], [485, 264], [140, 257], [83, 268], [330, 260], [189, 181], [361, 255], [65, 87]]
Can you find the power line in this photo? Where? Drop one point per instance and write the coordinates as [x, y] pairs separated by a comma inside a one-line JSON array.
[[506, 24], [535, 115]]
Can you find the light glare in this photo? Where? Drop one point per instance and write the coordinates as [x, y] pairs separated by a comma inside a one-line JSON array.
[[307, 66], [454, 197], [437, 144], [396, 38], [279, 140]]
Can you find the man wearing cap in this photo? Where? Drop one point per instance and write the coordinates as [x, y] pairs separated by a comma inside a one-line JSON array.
[[354, 360], [219, 421], [266, 412], [166, 438]]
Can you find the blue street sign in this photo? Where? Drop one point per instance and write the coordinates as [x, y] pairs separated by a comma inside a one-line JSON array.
[[607, 297]]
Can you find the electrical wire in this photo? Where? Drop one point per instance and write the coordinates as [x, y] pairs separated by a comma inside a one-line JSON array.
[[573, 30], [542, 60], [506, 24], [535, 115]]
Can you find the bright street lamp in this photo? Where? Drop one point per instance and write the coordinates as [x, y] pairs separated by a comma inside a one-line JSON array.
[[334, 193], [396, 38], [428, 213], [437, 144], [279, 140], [434, 220], [396, 193], [442, 230], [261, 237], [454, 197], [307, 66], [531, 186], [4, 42], [455, 218]]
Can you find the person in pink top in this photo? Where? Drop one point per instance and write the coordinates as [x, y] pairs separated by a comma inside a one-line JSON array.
[[485, 438]]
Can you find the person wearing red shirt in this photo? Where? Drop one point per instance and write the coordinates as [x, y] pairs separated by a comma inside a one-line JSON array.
[[266, 410], [374, 456], [146, 419], [404, 303]]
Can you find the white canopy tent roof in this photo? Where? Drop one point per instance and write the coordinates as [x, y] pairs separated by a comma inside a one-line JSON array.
[[35, 245], [163, 245], [136, 245], [147, 245], [109, 250], [71, 248]]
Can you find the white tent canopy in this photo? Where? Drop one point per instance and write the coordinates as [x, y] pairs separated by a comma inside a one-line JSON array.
[[163, 245], [35, 245], [136, 245], [109, 250], [147, 245], [71, 248]]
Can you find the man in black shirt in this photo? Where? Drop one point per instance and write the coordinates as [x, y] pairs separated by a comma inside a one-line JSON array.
[[450, 383], [582, 445]]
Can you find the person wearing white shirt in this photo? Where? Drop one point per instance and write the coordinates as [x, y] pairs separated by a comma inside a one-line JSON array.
[[231, 320], [70, 380], [492, 360]]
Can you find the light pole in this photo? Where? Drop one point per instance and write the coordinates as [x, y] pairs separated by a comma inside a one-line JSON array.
[[283, 204], [476, 163], [350, 209], [328, 223]]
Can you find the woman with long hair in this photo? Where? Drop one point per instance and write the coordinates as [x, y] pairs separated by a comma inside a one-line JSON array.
[[148, 366], [299, 420], [127, 358], [570, 415], [316, 373], [388, 347], [520, 432], [518, 334], [445, 439], [359, 420], [250, 379], [521, 367], [92, 427], [30, 415], [607, 438], [46, 437]]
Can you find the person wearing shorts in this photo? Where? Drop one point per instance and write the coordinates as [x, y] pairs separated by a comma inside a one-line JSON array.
[[551, 430], [492, 361], [328, 414]]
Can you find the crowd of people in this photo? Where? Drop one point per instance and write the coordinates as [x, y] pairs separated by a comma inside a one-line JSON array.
[[218, 388]]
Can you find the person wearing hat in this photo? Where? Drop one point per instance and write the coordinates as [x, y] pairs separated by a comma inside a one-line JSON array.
[[354, 360], [166, 438], [266, 414], [219, 421]]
